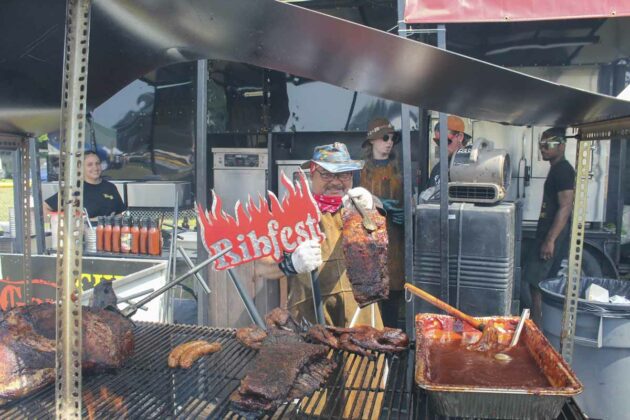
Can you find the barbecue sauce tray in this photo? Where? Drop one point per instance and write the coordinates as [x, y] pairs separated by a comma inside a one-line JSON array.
[[505, 402]]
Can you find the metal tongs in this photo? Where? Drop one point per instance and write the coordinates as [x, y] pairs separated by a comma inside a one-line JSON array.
[[133, 308], [368, 223]]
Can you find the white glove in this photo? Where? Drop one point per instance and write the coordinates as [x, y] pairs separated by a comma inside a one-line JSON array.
[[307, 256], [361, 195]]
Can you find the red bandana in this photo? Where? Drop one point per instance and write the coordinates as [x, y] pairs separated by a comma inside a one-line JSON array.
[[328, 203]]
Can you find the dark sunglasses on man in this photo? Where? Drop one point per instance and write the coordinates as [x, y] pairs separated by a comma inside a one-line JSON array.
[[551, 142]]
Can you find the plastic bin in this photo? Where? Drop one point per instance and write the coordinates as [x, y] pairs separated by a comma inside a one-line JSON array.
[[601, 354]]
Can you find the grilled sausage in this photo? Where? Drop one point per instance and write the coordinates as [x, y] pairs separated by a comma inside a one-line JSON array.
[[193, 353], [176, 353]]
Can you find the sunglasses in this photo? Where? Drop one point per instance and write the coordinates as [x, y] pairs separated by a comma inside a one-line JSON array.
[[549, 144], [329, 176], [388, 137]]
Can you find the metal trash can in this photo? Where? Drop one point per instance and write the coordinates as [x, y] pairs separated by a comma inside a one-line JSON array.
[[601, 355]]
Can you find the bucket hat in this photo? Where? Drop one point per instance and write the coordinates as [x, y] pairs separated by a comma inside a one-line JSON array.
[[379, 127], [334, 158]]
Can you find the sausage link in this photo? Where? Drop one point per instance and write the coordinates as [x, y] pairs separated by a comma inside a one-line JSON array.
[[176, 353], [194, 353]]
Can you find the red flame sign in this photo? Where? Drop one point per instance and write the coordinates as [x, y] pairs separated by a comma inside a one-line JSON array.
[[266, 229]]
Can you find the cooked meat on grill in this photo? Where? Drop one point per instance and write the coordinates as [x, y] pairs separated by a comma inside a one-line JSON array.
[[281, 319], [366, 257], [251, 337], [176, 354], [282, 370], [277, 320], [192, 354], [360, 338], [311, 378], [186, 354], [27, 346], [323, 335]]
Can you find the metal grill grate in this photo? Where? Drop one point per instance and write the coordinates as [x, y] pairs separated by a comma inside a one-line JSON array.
[[146, 388]]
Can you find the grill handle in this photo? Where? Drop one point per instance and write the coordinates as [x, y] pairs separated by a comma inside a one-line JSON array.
[[132, 309]]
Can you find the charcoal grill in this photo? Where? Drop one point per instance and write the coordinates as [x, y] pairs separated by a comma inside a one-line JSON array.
[[146, 388]]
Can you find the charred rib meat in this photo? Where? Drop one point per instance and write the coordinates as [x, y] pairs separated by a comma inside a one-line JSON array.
[[27, 346], [278, 320], [360, 338], [282, 370], [366, 257]]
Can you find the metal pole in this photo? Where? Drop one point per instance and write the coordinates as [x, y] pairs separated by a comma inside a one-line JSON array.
[[69, 247], [444, 238], [25, 216], [247, 300], [18, 193], [569, 313], [36, 191], [201, 175], [189, 263]]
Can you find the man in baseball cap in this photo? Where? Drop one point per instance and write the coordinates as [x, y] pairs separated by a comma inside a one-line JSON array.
[[457, 138]]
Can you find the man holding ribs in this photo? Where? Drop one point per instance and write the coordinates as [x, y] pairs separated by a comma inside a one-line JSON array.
[[332, 171]]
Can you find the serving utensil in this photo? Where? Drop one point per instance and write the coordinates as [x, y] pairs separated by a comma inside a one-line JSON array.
[[444, 306], [366, 220]]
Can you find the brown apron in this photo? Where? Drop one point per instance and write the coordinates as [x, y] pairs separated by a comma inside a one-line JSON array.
[[385, 182], [339, 308], [337, 299]]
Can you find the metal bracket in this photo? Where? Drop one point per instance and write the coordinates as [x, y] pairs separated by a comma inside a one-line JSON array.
[[569, 314], [25, 206], [70, 234]]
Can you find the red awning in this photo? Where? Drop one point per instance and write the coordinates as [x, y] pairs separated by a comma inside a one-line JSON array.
[[459, 11]]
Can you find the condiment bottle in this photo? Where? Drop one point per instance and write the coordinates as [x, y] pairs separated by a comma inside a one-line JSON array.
[[125, 237], [107, 235], [116, 235], [100, 233], [144, 235], [154, 239], [135, 236]]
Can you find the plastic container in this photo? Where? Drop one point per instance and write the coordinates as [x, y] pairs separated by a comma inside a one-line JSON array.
[[601, 353]]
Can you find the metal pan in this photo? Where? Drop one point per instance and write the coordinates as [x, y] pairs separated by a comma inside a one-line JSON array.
[[500, 402]]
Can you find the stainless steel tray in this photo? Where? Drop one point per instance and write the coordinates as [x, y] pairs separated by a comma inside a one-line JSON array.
[[503, 403]]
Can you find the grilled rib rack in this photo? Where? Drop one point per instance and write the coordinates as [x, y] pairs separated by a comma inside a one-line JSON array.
[[146, 388]]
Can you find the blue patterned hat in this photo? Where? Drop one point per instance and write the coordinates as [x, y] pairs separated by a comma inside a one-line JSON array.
[[334, 158]]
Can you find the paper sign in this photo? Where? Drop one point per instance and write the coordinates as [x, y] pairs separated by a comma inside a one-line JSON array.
[[265, 229]]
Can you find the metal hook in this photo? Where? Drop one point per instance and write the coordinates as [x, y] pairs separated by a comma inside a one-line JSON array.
[[408, 296]]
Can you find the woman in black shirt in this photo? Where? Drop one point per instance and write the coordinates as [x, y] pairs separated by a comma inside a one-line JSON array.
[[100, 197]]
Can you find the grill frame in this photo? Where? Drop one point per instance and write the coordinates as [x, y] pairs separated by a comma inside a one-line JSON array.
[[152, 390]]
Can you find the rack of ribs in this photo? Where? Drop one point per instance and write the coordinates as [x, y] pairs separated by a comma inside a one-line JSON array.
[[366, 256], [285, 368]]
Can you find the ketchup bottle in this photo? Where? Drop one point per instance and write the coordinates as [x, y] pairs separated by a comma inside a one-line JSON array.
[[135, 237], [144, 235], [107, 235], [100, 234], [116, 235], [125, 237], [154, 239]]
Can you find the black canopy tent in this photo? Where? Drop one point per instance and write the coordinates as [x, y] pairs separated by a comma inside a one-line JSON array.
[[129, 38]]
